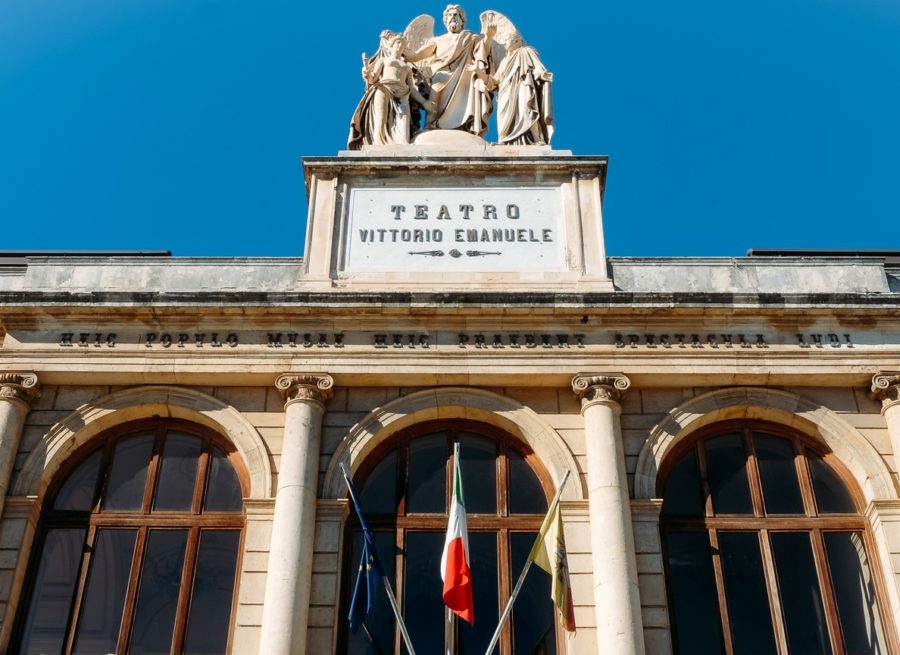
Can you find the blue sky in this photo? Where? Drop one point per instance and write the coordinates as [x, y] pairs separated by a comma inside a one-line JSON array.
[[180, 124]]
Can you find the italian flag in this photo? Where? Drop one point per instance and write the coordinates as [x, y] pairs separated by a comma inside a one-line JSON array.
[[455, 570]]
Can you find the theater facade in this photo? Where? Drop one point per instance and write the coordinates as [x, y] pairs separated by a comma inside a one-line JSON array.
[[173, 429]]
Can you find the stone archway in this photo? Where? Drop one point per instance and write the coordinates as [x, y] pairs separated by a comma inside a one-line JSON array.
[[94, 417], [454, 402], [817, 421]]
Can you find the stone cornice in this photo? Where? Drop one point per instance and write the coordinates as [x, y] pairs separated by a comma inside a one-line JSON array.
[[305, 387], [19, 386], [604, 388], [886, 388]]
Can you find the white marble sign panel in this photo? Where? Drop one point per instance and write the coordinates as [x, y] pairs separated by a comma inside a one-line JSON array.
[[455, 230]]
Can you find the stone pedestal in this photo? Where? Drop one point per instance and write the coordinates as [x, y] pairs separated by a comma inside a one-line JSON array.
[[288, 581], [616, 594], [17, 390]]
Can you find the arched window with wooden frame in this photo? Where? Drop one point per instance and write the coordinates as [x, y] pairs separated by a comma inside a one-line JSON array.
[[766, 548], [138, 546], [405, 492]]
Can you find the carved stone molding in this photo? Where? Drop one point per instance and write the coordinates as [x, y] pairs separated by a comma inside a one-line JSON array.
[[886, 388], [308, 387], [600, 388], [19, 386]]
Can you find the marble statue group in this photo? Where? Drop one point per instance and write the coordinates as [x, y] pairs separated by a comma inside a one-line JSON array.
[[418, 82]]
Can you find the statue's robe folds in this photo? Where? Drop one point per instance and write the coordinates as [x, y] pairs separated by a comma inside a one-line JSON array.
[[524, 102], [368, 128], [463, 101]]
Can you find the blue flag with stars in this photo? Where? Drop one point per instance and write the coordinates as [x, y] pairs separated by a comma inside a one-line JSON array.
[[368, 579]]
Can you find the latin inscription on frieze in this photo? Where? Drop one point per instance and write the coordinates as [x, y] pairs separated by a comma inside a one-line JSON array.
[[465, 230]]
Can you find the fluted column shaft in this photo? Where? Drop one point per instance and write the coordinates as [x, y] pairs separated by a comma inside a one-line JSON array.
[[17, 390], [289, 577], [616, 597]]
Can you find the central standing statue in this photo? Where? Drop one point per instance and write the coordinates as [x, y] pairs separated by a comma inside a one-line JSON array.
[[448, 65], [452, 77]]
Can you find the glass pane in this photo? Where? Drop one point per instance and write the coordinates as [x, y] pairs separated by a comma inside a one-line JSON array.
[[479, 474], [428, 475], [128, 474], [223, 493], [483, 552], [526, 495], [831, 494], [54, 585], [697, 626], [423, 605], [801, 598], [727, 470], [534, 615], [745, 592], [78, 492], [207, 629], [855, 593], [104, 598], [684, 494], [154, 616], [379, 493], [178, 473], [781, 489], [380, 620]]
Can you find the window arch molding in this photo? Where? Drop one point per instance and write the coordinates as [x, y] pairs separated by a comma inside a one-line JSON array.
[[61, 441], [821, 424], [478, 405]]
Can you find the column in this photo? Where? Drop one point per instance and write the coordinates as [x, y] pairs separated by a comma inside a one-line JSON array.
[[886, 388], [616, 596], [289, 577], [17, 390]]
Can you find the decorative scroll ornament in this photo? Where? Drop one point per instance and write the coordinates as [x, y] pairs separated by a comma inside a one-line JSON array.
[[886, 387], [310, 387], [607, 387], [19, 386]]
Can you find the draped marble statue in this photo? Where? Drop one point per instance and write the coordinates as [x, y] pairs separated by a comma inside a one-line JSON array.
[[453, 78]]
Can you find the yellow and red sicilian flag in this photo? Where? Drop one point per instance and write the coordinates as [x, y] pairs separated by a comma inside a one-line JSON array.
[[549, 553], [455, 570]]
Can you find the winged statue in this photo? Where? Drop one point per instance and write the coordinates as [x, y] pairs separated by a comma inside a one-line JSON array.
[[453, 77]]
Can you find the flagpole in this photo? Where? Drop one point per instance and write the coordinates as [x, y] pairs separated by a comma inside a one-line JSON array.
[[521, 580], [403, 632], [384, 580]]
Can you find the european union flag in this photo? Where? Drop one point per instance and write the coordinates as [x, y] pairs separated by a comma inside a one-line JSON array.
[[370, 572]]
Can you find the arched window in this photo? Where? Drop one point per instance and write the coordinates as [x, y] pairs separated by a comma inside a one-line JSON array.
[[766, 549], [137, 548], [405, 490]]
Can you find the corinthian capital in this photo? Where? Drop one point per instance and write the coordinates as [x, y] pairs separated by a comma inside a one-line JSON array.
[[886, 387], [309, 387], [605, 387], [19, 386]]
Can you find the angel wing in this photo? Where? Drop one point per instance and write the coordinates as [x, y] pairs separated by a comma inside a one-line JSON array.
[[419, 33], [507, 37]]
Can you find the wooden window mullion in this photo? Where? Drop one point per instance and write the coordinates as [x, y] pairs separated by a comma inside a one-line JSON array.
[[201, 482], [753, 475], [504, 586], [824, 576], [132, 589], [84, 568], [189, 570], [400, 585], [700, 451], [153, 469], [771, 580], [720, 590]]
